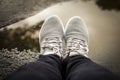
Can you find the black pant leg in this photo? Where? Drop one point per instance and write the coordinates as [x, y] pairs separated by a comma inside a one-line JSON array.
[[82, 68], [46, 68]]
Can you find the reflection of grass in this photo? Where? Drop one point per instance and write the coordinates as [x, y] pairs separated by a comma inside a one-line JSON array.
[[107, 4], [20, 38]]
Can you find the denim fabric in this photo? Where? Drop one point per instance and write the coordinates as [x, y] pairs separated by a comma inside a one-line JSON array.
[[51, 67]]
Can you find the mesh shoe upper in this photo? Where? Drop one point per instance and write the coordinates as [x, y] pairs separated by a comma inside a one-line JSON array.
[[76, 37], [51, 36]]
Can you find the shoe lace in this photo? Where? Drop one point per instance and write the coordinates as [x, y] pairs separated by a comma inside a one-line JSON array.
[[77, 45], [53, 44]]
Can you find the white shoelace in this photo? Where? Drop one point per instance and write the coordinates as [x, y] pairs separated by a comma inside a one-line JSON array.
[[77, 46], [52, 45]]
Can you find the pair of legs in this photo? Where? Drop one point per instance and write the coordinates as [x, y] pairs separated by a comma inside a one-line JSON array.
[[59, 64]]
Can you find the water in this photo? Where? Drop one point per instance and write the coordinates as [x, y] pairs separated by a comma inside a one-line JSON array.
[[103, 29]]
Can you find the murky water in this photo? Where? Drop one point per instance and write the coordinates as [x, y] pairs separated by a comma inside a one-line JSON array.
[[104, 29]]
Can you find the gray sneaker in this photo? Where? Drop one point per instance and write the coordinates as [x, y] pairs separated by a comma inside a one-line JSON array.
[[51, 36], [76, 37]]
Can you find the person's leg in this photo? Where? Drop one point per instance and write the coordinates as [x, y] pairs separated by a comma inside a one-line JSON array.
[[81, 68], [49, 64], [78, 65], [47, 67]]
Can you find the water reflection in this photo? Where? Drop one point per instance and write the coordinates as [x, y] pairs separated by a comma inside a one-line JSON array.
[[103, 28], [20, 38], [109, 4]]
